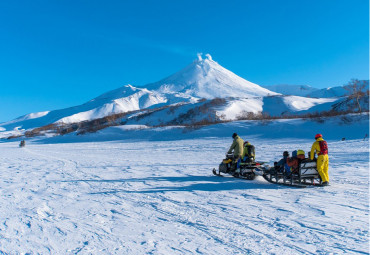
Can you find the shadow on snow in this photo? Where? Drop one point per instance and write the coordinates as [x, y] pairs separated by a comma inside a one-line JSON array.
[[197, 183]]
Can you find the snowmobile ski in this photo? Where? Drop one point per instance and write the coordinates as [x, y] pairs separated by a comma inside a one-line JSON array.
[[295, 185], [249, 176], [214, 171]]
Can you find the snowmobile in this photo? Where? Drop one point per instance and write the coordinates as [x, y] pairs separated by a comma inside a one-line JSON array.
[[22, 144], [306, 175], [247, 170]]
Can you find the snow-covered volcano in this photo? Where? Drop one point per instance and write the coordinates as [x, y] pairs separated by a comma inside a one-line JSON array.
[[205, 78]]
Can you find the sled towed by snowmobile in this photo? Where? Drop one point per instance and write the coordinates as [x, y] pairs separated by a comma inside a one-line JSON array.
[[305, 175], [247, 170]]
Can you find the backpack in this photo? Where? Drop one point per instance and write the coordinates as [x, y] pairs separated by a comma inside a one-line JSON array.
[[250, 151], [323, 148]]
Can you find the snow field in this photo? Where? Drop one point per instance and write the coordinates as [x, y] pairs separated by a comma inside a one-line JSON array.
[[161, 198]]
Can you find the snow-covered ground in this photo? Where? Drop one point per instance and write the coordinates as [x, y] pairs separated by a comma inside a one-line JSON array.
[[159, 197]]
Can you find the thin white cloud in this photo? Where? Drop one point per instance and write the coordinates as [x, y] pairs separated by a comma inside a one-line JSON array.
[[149, 43]]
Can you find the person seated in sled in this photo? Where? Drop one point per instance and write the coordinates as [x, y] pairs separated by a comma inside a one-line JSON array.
[[294, 161], [237, 149], [248, 153], [282, 165]]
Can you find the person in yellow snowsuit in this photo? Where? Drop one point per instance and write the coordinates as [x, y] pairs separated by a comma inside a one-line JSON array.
[[321, 148]]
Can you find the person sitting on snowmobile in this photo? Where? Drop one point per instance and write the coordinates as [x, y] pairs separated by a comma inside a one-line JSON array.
[[248, 153], [282, 165], [321, 148], [22, 144], [236, 148], [295, 160]]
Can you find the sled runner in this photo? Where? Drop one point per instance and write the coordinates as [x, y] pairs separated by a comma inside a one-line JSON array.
[[305, 175]]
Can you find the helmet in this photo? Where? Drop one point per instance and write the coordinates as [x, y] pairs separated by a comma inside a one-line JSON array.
[[318, 136], [234, 135], [286, 154], [294, 153], [300, 152]]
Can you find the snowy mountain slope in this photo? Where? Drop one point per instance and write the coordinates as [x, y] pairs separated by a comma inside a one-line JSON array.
[[280, 105], [347, 103], [127, 98], [329, 92], [338, 91], [236, 108], [208, 111], [27, 117], [308, 91], [231, 109], [140, 99], [292, 90]]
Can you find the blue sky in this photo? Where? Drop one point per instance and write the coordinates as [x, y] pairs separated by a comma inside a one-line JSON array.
[[56, 54]]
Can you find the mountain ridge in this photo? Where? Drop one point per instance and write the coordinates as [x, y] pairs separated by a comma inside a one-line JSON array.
[[308, 91], [190, 90]]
